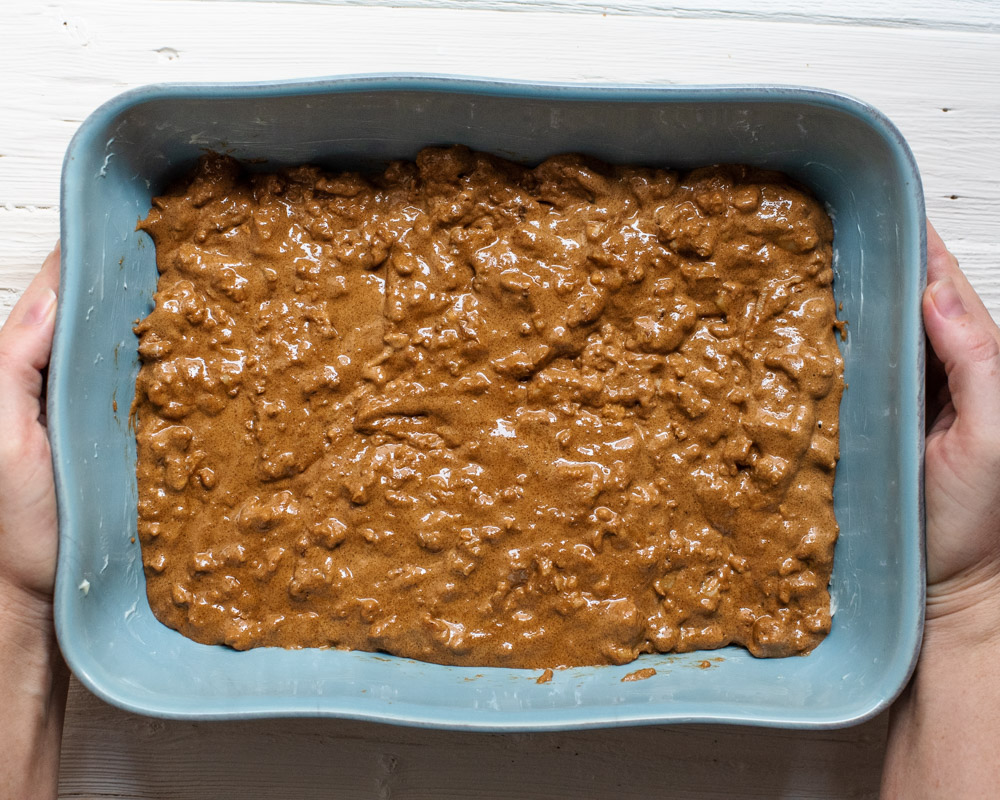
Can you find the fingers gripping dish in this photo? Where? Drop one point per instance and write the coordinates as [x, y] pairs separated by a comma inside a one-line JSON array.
[[474, 413]]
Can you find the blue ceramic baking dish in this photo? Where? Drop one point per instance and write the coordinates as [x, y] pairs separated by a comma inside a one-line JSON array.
[[851, 156]]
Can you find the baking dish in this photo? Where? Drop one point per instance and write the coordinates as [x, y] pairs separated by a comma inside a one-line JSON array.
[[846, 152]]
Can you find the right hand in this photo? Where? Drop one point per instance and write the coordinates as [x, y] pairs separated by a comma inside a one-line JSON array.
[[962, 477]]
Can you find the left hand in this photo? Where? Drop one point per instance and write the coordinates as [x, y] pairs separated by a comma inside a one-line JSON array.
[[28, 521]]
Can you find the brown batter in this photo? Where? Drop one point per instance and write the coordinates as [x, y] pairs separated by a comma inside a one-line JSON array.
[[472, 413]]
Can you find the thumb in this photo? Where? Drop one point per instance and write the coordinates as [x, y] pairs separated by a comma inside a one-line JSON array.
[[967, 341], [25, 342]]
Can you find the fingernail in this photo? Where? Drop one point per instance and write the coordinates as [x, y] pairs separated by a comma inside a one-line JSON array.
[[43, 309], [947, 300]]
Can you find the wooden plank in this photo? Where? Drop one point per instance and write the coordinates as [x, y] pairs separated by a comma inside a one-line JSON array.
[[953, 15], [111, 754], [30, 232]]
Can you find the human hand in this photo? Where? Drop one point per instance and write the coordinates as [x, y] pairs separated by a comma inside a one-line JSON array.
[[33, 686], [943, 728], [962, 466], [28, 522]]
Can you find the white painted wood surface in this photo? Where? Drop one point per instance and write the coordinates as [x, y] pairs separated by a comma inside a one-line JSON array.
[[956, 14], [933, 67]]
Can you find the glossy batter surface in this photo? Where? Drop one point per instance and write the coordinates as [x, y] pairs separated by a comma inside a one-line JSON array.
[[473, 413]]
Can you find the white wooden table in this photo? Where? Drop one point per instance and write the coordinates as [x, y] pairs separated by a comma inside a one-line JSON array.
[[932, 66]]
